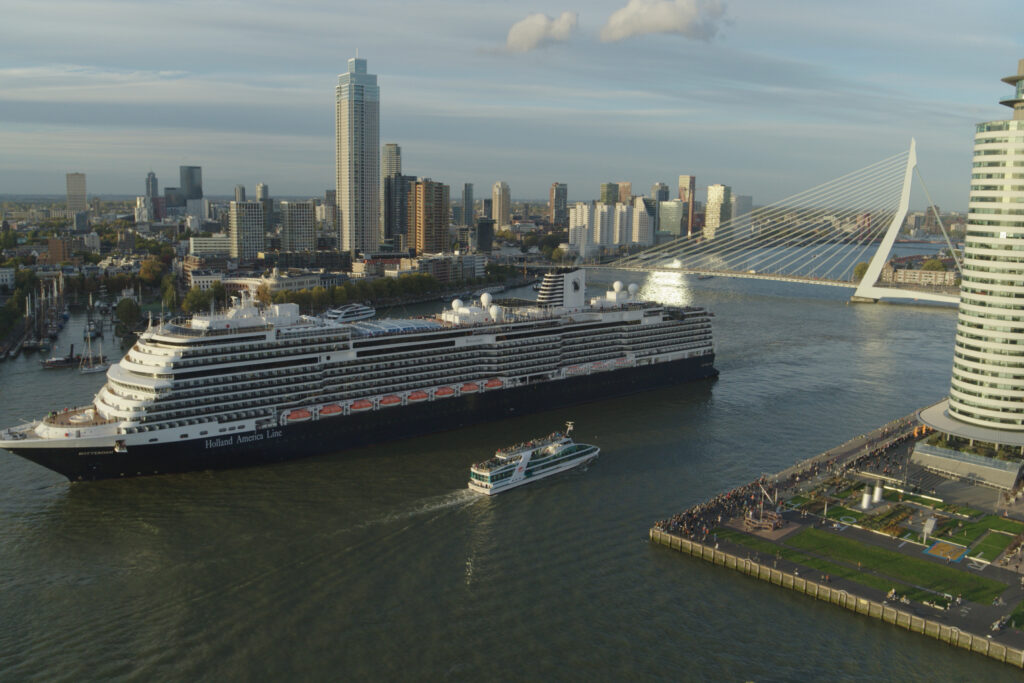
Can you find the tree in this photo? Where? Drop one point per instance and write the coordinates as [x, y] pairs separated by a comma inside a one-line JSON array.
[[557, 255], [263, 293], [151, 272], [196, 300], [933, 264], [128, 312], [859, 270]]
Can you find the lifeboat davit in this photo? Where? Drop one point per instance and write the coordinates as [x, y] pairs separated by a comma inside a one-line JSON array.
[[330, 410], [419, 396], [360, 405], [444, 392], [493, 383], [299, 415], [470, 388], [391, 400]]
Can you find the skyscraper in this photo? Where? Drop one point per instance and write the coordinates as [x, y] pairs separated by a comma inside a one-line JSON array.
[[467, 205], [393, 193], [262, 192], [987, 389], [625, 192], [191, 181], [152, 187], [501, 204], [239, 193], [428, 216], [331, 212], [263, 197], [609, 193], [687, 190], [357, 158], [297, 226], [742, 205], [717, 212], [245, 229], [76, 192], [558, 200], [659, 192]]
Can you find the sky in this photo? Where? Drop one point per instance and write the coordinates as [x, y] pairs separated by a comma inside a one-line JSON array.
[[771, 98]]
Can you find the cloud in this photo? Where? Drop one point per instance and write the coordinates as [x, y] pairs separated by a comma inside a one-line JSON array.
[[538, 30], [696, 19]]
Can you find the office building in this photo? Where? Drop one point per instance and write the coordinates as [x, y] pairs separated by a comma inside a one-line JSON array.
[[357, 157], [76, 192], [428, 216], [152, 186], [298, 226], [645, 221], [672, 217], [742, 206], [558, 210], [331, 212], [239, 193], [468, 215], [246, 230], [717, 211], [625, 192], [687, 194], [609, 193], [174, 197], [143, 210], [659, 192], [485, 234], [390, 166], [263, 197], [191, 181], [501, 204]]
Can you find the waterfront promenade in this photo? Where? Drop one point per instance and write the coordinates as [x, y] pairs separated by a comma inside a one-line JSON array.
[[780, 528]]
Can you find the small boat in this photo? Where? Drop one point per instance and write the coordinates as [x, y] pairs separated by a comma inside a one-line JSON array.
[[525, 462], [361, 405], [470, 388], [417, 396], [390, 400], [493, 383], [330, 410], [705, 277], [299, 415], [90, 363], [349, 313], [444, 392]]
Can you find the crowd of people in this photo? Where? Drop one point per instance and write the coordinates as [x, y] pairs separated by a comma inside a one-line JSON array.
[[700, 520]]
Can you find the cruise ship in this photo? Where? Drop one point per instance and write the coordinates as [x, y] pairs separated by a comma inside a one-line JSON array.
[[251, 385]]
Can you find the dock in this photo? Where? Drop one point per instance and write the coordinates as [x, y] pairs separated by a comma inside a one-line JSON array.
[[931, 561]]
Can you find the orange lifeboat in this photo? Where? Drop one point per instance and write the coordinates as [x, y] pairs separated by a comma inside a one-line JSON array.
[[299, 415], [360, 405], [390, 400], [444, 392], [419, 396], [470, 388], [493, 383], [330, 410]]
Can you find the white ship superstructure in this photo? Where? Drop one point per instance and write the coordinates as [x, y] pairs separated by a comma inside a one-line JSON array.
[[252, 376]]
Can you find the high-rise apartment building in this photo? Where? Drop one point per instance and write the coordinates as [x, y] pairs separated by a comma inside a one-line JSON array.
[[357, 157], [645, 221], [659, 192], [501, 204], [298, 221], [391, 160], [625, 192], [558, 200], [239, 193], [468, 215], [609, 193], [394, 193], [717, 211], [263, 197], [687, 193], [246, 230], [152, 186], [76, 192], [331, 212], [428, 216], [191, 181], [262, 192]]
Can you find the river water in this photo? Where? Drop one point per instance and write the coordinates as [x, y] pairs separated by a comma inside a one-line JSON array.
[[378, 564]]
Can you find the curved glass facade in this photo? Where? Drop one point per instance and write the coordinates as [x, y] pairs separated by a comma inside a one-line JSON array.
[[988, 362]]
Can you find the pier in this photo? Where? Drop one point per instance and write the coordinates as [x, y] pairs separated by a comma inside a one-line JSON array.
[[862, 527]]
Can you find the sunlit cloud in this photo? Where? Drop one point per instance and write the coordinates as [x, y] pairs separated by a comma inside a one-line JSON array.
[[695, 19], [538, 30]]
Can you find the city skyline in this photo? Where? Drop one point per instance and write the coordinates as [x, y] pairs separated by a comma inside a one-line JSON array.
[[770, 99]]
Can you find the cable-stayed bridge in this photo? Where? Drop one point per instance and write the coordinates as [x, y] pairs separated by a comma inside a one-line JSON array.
[[815, 237]]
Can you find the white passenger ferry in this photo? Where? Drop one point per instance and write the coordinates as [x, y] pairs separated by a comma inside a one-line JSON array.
[[530, 461]]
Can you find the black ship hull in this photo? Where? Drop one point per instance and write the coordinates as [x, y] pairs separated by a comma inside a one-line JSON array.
[[339, 433]]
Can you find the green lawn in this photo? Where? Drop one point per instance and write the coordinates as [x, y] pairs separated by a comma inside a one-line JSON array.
[[991, 545], [837, 511], [910, 570], [797, 501], [1017, 616], [972, 531], [821, 566]]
